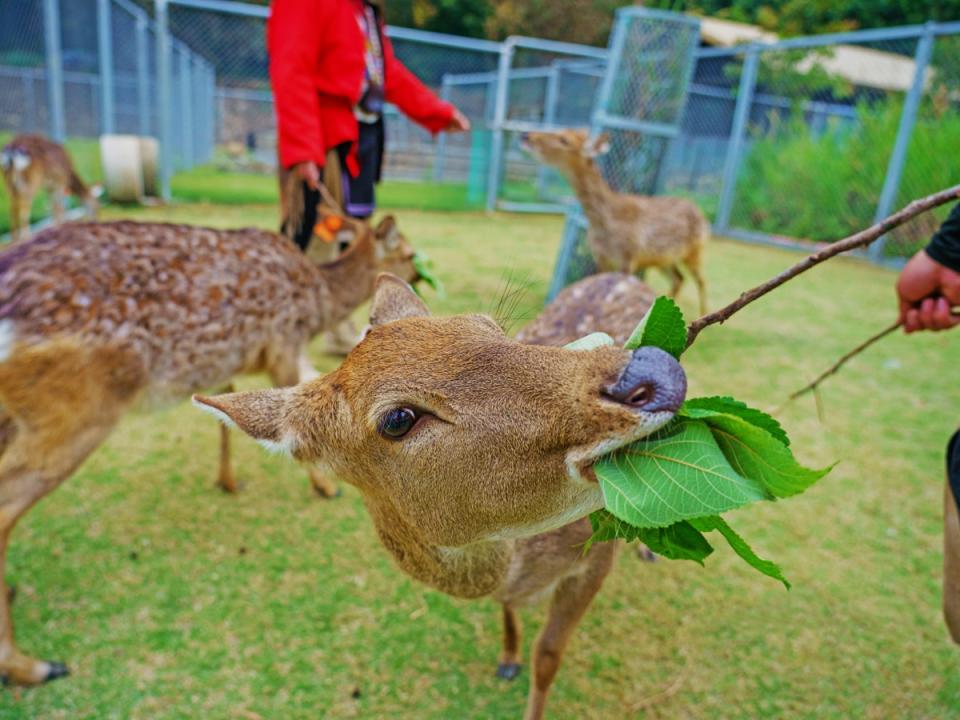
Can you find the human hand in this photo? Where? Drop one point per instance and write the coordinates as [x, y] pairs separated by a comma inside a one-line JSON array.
[[309, 173], [458, 123], [927, 292]]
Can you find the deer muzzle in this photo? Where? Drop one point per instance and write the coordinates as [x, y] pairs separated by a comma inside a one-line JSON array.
[[652, 381]]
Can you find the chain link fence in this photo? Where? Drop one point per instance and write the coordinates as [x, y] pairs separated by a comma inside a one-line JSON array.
[[801, 140]]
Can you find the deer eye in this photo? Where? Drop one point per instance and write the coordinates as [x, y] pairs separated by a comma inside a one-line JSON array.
[[397, 422]]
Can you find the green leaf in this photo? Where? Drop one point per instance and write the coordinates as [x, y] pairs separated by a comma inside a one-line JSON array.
[[680, 541], [591, 341], [663, 327], [424, 267], [675, 474], [707, 406], [756, 454], [740, 547]]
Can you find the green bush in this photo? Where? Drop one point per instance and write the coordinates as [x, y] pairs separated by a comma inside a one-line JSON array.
[[825, 185]]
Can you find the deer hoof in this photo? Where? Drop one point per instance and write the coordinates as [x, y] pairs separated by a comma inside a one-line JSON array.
[[646, 554], [11, 594], [508, 671], [55, 671], [230, 487], [328, 494]]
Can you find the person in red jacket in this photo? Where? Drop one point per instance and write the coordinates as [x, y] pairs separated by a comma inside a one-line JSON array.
[[332, 68]]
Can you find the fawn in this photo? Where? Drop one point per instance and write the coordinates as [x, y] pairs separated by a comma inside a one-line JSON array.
[[626, 233], [30, 162], [474, 452], [100, 318]]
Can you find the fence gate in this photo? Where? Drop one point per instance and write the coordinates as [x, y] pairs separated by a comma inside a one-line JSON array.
[[640, 105]]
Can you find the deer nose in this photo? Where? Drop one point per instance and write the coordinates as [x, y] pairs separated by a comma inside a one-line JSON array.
[[653, 381]]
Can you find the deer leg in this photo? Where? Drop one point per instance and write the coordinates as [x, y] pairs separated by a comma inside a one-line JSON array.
[[284, 372], [226, 480], [695, 266], [570, 601], [675, 277], [34, 464], [22, 207], [57, 204], [509, 666]]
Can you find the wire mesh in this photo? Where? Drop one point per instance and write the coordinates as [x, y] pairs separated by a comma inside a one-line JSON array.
[[819, 136]]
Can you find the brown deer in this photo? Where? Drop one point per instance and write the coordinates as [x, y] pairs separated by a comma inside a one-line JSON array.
[[474, 452], [100, 318], [627, 233], [32, 162]]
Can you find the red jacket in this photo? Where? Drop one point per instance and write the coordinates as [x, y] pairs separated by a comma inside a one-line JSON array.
[[316, 69]]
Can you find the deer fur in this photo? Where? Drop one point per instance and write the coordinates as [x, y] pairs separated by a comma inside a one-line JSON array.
[[487, 495], [32, 162], [100, 318], [627, 233]]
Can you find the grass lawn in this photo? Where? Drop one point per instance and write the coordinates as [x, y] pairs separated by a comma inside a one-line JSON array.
[[171, 600]]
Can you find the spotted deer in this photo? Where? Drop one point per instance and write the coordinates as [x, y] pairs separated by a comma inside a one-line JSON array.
[[100, 318], [627, 233], [473, 452], [32, 162]]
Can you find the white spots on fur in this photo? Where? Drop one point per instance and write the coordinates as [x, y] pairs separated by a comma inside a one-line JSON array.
[[8, 336], [216, 412]]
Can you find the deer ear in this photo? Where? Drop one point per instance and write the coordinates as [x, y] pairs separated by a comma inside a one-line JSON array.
[[393, 300], [259, 413], [600, 145], [388, 232]]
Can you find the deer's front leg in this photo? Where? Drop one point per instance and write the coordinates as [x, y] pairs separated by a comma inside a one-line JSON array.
[[569, 602], [226, 480], [509, 666]]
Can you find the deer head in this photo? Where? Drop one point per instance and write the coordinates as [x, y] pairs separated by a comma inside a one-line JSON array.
[[392, 252], [568, 149], [466, 434]]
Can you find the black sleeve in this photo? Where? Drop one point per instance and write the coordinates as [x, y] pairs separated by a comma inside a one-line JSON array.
[[944, 246]]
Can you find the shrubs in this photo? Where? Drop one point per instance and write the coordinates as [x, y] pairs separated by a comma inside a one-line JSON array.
[[824, 185]]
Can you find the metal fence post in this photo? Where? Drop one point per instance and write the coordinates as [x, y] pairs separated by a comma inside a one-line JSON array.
[[741, 116], [438, 157], [186, 109], [143, 77], [549, 118], [51, 41], [105, 56], [164, 97], [908, 118], [499, 115]]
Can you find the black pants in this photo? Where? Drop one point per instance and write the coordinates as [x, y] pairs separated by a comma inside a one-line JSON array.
[[359, 200]]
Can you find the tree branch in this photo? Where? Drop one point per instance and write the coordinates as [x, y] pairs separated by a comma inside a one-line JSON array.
[[857, 240], [842, 361]]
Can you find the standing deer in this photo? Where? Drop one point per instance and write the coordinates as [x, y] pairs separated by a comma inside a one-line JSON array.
[[100, 318], [627, 233], [474, 452], [31, 162]]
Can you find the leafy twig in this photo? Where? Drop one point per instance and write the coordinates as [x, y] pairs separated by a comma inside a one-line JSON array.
[[842, 361], [857, 240]]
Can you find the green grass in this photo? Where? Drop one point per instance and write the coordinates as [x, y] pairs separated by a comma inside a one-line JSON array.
[[171, 600]]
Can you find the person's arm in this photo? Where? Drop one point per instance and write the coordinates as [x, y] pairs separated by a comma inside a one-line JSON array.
[[414, 99], [929, 286], [944, 247], [293, 41]]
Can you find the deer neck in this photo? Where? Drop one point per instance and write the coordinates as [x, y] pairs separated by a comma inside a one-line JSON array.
[[471, 571], [345, 283], [591, 189]]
